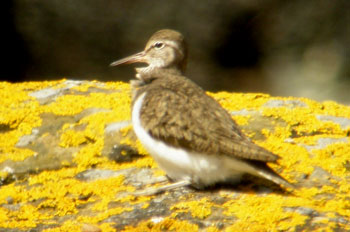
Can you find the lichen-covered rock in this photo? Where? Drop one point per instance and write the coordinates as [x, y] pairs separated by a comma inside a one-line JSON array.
[[69, 161]]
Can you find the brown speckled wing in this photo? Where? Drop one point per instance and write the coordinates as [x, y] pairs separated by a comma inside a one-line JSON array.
[[178, 112]]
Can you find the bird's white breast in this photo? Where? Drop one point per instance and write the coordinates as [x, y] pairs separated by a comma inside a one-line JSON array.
[[180, 164]]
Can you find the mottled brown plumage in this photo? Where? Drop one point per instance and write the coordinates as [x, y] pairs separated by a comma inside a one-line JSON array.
[[178, 113]]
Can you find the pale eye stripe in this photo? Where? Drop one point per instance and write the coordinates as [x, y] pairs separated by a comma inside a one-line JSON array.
[[174, 45], [170, 43]]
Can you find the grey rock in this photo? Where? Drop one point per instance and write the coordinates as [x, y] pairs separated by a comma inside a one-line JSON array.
[[50, 155], [324, 142], [320, 177], [47, 95], [27, 139], [343, 122], [98, 174], [284, 103], [243, 112], [302, 210]]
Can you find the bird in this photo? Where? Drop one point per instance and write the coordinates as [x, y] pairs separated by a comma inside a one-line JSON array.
[[187, 132]]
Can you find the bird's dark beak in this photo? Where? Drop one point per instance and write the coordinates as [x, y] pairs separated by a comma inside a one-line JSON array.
[[136, 58]]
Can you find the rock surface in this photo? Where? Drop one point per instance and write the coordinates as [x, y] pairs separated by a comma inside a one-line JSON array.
[[69, 161]]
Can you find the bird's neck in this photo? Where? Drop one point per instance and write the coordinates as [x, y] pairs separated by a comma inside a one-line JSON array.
[[147, 75], [150, 73]]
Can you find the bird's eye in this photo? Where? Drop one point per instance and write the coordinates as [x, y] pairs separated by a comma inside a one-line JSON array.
[[159, 45]]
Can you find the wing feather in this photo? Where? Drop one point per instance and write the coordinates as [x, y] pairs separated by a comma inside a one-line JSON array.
[[180, 113]]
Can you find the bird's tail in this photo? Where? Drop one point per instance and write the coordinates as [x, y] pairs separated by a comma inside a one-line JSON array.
[[262, 170]]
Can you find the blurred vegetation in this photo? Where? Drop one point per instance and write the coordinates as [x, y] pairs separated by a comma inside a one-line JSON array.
[[298, 48]]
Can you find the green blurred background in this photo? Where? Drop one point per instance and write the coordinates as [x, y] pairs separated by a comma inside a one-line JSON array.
[[286, 48]]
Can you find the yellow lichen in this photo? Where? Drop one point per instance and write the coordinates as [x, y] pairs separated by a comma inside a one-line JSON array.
[[20, 118], [212, 229], [242, 120], [50, 194], [166, 224], [254, 212], [15, 154], [335, 109], [198, 209], [71, 138], [239, 101]]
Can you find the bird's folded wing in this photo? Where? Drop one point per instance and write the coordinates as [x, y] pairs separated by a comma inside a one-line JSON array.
[[198, 123]]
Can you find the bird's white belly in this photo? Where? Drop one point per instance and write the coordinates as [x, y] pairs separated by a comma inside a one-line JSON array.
[[180, 164]]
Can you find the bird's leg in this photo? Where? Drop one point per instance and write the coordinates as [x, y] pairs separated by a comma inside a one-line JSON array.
[[160, 179], [154, 191]]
